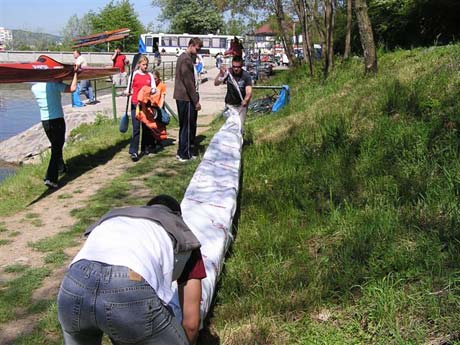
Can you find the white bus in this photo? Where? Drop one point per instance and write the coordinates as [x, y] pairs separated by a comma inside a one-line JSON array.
[[173, 43]]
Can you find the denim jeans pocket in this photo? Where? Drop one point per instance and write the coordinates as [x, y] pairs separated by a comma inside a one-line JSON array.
[[69, 309], [134, 321]]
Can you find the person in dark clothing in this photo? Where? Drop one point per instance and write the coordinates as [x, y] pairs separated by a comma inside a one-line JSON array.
[[239, 87], [48, 97], [187, 100]]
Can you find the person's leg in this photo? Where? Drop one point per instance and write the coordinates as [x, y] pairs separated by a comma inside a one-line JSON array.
[[129, 311], [134, 144], [75, 304], [193, 125], [183, 109], [90, 92], [55, 131], [147, 140]]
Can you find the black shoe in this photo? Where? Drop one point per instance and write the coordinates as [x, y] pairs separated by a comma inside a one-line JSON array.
[[134, 157]]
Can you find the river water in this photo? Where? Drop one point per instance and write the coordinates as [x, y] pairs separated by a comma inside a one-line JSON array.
[[18, 111]]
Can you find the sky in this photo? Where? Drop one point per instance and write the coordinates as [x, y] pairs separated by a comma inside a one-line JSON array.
[[48, 16]]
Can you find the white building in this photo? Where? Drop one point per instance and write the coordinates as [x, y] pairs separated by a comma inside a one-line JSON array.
[[5, 36]]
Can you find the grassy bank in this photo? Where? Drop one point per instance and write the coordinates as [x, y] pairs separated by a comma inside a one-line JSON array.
[[350, 227], [349, 220]]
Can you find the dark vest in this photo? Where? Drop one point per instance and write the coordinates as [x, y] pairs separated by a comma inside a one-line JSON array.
[[182, 237]]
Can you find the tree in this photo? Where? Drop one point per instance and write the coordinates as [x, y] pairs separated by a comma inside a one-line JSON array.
[[347, 49], [116, 16], [301, 8], [191, 16], [367, 37], [76, 27], [329, 25]]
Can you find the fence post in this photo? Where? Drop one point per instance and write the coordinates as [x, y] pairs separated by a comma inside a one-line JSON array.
[[114, 102], [95, 89]]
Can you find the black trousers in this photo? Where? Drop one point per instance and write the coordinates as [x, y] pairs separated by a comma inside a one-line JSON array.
[[55, 131], [187, 128]]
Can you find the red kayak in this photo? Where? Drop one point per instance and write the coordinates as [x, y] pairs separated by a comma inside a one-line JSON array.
[[47, 69]]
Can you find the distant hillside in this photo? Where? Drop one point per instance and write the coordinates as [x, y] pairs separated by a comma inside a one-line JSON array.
[[27, 40]]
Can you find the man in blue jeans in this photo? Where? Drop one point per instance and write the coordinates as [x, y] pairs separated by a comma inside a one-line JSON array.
[[48, 97], [120, 281]]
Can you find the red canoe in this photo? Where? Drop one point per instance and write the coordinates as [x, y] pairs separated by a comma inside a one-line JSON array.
[[47, 69]]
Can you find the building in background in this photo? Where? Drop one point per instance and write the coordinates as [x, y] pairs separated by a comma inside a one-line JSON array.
[[5, 37]]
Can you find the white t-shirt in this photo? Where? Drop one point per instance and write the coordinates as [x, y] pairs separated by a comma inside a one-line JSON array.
[[146, 248], [81, 61]]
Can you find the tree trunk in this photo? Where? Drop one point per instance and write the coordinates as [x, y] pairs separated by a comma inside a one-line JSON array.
[[280, 18], [301, 7], [329, 24], [367, 37], [347, 51]]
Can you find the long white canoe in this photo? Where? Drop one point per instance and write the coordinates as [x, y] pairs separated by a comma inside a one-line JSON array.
[[210, 202]]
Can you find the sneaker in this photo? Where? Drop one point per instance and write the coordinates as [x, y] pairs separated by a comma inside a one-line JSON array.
[[180, 159], [134, 157], [92, 102], [51, 185]]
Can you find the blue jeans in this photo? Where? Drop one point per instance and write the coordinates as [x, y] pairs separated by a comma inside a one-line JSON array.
[[87, 89], [96, 298]]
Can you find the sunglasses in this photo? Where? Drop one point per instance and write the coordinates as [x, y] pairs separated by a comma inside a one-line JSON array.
[[236, 66]]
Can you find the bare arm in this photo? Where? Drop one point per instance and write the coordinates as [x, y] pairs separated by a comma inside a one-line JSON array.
[[73, 86], [220, 77], [248, 96], [190, 299]]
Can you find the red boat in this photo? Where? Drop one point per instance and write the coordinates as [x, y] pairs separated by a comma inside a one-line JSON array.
[[47, 69]]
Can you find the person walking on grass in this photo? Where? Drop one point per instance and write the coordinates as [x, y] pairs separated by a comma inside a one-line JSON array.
[[239, 87], [187, 100], [141, 77], [120, 282], [48, 97]]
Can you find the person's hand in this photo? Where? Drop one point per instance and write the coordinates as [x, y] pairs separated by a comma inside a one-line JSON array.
[[244, 103], [198, 107], [223, 71]]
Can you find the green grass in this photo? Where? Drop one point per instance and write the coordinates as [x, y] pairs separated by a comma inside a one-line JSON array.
[[349, 227], [171, 178], [87, 147], [350, 205]]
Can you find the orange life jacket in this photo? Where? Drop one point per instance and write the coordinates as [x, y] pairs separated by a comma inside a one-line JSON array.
[[146, 112]]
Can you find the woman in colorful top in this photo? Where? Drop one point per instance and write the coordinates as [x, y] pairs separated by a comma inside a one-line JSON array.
[[141, 77]]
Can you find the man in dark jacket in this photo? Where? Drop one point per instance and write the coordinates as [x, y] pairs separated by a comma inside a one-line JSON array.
[[187, 99]]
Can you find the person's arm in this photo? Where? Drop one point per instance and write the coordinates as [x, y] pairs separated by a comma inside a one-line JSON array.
[[190, 299], [73, 85], [114, 56], [221, 76], [248, 96], [188, 78]]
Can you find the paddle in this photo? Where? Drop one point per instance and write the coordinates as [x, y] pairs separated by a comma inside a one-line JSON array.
[[124, 119]]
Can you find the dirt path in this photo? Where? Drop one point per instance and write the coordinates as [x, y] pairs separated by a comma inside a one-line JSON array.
[[49, 216]]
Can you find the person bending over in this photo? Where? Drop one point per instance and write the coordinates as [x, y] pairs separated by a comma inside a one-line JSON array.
[[120, 282]]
